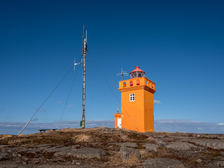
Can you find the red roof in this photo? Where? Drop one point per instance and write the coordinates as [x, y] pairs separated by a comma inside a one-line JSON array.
[[137, 70]]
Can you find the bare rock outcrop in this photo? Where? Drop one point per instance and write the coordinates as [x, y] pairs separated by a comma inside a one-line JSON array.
[[4, 156], [127, 144], [112, 147], [151, 147], [209, 143], [180, 146], [129, 153], [162, 163], [83, 153]]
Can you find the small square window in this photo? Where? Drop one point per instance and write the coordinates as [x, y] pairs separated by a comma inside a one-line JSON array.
[[132, 97]]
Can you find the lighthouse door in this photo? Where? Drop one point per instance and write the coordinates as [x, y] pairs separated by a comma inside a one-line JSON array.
[[119, 122]]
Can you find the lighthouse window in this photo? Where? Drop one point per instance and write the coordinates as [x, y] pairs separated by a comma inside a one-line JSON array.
[[132, 97]]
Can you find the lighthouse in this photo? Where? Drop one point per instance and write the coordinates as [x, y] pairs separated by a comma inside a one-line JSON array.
[[137, 103]]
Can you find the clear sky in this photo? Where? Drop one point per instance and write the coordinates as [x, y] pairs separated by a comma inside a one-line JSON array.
[[179, 44]]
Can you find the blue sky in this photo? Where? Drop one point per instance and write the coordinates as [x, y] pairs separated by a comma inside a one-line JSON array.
[[179, 44]]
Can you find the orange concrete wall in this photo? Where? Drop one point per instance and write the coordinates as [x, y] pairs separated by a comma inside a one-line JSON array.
[[139, 113], [143, 82], [133, 112], [149, 111]]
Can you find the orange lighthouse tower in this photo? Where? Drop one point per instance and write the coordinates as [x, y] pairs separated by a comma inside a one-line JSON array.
[[137, 103]]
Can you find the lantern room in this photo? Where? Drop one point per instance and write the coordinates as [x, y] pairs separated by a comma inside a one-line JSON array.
[[137, 73]]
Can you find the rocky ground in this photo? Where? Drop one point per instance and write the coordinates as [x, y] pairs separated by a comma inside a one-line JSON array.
[[112, 147]]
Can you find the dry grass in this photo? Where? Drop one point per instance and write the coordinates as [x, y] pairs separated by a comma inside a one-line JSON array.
[[3, 137], [82, 138], [80, 129], [77, 135], [145, 155], [163, 153], [116, 160], [132, 160]]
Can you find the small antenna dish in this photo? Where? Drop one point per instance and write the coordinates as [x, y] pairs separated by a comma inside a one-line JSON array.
[[122, 73]]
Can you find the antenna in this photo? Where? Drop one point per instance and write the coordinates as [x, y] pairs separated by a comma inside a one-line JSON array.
[[83, 38], [122, 73], [117, 109], [84, 77], [76, 63], [83, 64]]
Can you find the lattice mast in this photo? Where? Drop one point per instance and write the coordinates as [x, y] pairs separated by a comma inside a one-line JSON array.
[[84, 49], [83, 64]]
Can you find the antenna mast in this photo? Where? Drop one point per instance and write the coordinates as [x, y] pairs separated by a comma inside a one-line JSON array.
[[83, 64], [84, 49]]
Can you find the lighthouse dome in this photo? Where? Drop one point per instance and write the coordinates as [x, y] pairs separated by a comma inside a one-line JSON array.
[[137, 73]]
